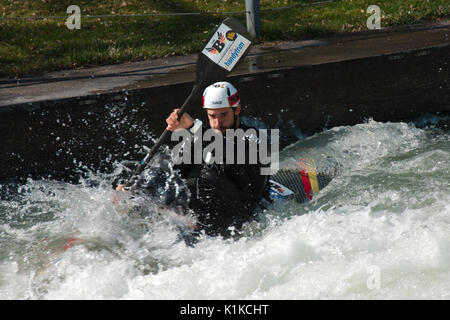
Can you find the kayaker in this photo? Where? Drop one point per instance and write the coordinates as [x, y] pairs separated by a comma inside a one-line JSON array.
[[225, 193]]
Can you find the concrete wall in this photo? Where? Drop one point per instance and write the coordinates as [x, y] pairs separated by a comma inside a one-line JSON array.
[[64, 138]]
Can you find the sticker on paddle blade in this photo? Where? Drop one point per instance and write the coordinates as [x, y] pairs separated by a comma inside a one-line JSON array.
[[226, 47]]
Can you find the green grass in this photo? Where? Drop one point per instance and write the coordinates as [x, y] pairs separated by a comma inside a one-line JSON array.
[[36, 46]]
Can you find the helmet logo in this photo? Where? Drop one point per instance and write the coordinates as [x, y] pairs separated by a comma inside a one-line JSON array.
[[233, 99]]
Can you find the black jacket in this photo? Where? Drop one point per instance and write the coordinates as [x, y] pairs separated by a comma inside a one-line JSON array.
[[222, 195]]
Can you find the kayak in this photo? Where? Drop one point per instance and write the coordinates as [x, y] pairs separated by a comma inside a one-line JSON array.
[[300, 183]]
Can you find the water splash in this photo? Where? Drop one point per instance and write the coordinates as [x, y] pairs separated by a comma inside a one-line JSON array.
[[386, 215]]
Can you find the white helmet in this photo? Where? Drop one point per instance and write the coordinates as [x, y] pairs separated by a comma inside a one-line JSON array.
[[220, 95]]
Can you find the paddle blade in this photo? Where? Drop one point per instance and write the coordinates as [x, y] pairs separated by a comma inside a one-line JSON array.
[[224, 50]]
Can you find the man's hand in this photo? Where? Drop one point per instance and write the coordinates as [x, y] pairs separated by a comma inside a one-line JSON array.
[[173, 124], [115, 198], [120, 187]]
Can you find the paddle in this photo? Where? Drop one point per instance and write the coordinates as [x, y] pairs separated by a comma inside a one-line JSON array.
[[226, 47]]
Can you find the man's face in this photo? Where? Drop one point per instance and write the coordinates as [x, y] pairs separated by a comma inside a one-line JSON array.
[[223, 118]]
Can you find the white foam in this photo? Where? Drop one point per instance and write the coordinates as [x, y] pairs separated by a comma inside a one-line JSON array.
[[380, 230]]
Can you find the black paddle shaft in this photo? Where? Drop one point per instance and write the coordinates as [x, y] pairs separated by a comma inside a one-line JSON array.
[[207, 72], [163, 138]]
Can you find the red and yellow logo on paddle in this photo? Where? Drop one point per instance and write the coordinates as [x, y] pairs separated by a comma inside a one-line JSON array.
[[231, 35], [217, 45]]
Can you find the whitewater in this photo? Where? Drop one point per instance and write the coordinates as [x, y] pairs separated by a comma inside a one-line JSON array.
[[379, 230]]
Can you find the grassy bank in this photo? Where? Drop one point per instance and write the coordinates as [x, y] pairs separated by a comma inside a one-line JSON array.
[[36, 46]]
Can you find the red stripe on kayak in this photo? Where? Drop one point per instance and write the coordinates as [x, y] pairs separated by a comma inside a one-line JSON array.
[[306, 184], [71, 242]]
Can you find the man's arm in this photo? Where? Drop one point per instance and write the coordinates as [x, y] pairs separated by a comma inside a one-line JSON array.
[[173, 123]]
